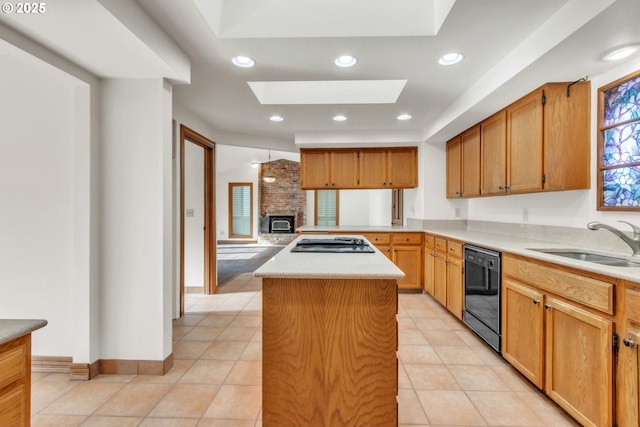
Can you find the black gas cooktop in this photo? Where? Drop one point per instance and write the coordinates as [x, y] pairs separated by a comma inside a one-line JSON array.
[[335, 245]]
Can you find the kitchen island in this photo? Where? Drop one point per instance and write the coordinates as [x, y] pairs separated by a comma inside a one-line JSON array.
[[329, 339]]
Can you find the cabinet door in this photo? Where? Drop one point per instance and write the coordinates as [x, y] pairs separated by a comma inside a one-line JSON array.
[[409, 260], [494, 154], [344, 169], [579, 362], [522, 329], [386, 249], [440, 277], [314, 169], [524, 144], [403, 168], [373, 169], [470, 146], [629, 380], [455, 286], [454, 155], [429, 271]]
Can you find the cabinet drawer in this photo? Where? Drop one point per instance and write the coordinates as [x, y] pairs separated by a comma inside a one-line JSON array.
[[429, 241], [632, 301], [585, 290], [407, 238], [441, 244], [13, 358], [454, 249], [378, 238]]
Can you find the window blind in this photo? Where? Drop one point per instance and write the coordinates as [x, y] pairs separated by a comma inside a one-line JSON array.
[[326, 208]]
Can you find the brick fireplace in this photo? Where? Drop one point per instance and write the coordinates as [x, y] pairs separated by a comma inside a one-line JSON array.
[[281, 198]]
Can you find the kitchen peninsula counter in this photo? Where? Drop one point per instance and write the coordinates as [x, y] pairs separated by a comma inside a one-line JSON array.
[[329, 339]]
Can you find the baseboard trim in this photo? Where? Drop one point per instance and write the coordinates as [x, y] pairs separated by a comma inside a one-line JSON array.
[[87, 371]]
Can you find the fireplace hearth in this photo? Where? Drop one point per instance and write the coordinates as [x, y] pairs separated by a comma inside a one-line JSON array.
[[282, 224]]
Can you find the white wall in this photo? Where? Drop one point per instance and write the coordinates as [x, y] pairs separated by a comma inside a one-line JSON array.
[[194, 225], [136, 220], [564, 208], [37, 208]]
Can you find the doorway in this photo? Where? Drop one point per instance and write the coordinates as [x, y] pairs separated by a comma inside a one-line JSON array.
[[204, 145]]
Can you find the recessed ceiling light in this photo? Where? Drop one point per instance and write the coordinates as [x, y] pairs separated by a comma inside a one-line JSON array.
[[346, 61], [243, 61], [276, 118], [255, 165], [620, 53], [340, 118], [450, 58], [404, 116]]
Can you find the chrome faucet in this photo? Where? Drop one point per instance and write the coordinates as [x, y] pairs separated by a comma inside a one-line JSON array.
[[633, 242]]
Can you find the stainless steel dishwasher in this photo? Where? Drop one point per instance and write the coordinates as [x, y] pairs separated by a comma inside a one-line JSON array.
[[482, 304]]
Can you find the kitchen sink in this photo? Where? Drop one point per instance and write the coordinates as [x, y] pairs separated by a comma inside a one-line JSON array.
[[589, 257]]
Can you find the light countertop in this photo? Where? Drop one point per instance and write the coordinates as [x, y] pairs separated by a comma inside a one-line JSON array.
[[521, 246], [314, 265], [356, 229], [11, 329]]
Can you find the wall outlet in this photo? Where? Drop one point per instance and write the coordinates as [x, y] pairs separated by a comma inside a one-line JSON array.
[[190, 213], [525, 214]]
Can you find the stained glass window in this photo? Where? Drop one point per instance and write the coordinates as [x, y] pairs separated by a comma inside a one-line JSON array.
[[619, 145]]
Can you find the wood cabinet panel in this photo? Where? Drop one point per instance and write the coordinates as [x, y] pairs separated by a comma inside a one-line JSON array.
[[15, 382], [403, 168], [440, 277], [429, 270], [407, 238], [579, 362], [470, 162], [524, 144], [523, 329], [455, 285], [629, 380], [408, 258], [314, 169], [344, 169], [329, 352], [454, 167], [373, 169], [592, 292], [567, 146], [494, 154]]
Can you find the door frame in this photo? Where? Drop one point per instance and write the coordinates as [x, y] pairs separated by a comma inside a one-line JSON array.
[[210, 284]]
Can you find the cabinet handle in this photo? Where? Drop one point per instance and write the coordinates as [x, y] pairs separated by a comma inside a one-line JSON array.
[[506, 187], [547, 306], [536, 301], [407, 239], [628, 343], [500, 187], [390, 183], [333, 184]]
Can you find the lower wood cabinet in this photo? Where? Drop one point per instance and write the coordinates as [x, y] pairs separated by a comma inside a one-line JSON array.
[[443, 273], [628, 372], [562, 347], [15, 382], [405, 251]]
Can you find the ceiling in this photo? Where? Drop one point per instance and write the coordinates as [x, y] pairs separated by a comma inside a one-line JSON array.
[[510, 47]]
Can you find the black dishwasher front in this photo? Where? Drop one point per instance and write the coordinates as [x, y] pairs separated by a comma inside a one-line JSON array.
[[482, 303]]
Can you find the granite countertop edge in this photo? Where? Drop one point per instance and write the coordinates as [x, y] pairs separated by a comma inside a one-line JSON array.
[[11, 329]]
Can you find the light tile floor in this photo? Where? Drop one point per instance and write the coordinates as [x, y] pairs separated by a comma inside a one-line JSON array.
[[447, 376]]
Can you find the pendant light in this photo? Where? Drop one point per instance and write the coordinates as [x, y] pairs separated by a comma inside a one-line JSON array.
[[268, 177]]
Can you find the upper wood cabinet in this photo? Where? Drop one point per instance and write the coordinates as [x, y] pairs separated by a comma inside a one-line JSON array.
[[540, 142], [329, 168], [463, 164], [359, 168]]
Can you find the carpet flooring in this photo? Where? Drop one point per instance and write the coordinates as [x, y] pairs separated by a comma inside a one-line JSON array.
[[238, 259]]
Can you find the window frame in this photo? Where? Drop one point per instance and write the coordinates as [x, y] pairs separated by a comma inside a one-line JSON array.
[[230, 209], [600, 167], [315, 206]]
